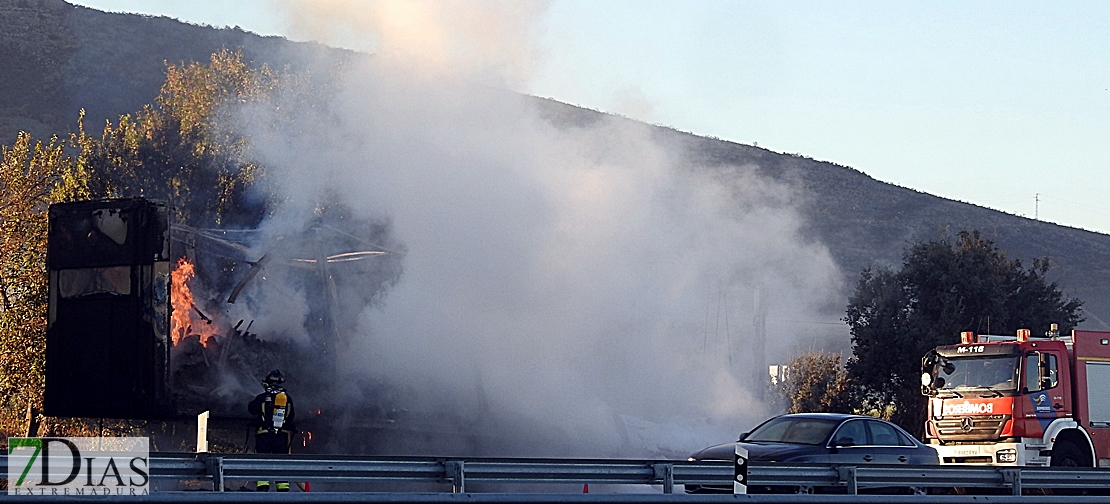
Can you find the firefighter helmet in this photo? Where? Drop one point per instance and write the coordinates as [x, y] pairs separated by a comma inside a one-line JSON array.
[[275, 377]]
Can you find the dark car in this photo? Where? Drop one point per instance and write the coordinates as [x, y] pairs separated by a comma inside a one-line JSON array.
[[826, 438]]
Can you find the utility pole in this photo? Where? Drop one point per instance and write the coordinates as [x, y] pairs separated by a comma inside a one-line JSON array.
[[1037, 207]]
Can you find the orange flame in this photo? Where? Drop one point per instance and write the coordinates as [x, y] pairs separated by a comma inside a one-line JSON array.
[[186, 320]]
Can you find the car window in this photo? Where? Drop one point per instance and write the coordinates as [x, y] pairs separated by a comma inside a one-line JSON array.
[[851, 433], [884, 435], [787, 429]]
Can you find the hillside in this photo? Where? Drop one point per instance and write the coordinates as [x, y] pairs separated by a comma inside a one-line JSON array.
[[56, 58]]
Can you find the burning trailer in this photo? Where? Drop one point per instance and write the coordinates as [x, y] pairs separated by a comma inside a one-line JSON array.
[[128, 339], [140, 326]]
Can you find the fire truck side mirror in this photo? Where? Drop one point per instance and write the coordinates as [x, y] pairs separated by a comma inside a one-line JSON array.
[[1042, 367], [928, 384], [1046, 367], [1042, 373], [928, 367]]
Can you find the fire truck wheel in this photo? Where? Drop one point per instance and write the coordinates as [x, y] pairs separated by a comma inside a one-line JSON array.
[[1065, 454]]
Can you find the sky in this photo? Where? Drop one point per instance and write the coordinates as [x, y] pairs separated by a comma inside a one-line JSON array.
[[1000, 104]]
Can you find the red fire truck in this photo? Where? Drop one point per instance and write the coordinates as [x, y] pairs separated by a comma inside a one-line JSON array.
[[1020, 400]]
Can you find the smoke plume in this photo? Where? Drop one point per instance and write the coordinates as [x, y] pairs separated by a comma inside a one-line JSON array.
[[568, 287], [490, 41]]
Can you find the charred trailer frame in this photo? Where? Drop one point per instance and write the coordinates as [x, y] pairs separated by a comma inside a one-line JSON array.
[[107, 338]]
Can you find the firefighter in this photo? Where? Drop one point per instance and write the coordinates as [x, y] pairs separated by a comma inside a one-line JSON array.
[[273, 419]]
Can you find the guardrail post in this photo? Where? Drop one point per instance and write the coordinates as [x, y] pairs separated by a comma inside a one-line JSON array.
[[454, 470], [215, 467], [665, 473], [847, 477], [1012, 477]]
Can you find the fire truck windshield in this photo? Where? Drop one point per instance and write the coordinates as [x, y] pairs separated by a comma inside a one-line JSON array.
[[991, 375]]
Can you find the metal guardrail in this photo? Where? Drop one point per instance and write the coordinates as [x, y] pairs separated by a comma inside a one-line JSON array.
[[547, 498], [459, 472]]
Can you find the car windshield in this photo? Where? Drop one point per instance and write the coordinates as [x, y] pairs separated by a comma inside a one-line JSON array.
[[985, 373], [798, 430]]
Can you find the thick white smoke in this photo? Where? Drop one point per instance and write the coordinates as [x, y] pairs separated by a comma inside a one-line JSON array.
[[489, 41], [583, 282]]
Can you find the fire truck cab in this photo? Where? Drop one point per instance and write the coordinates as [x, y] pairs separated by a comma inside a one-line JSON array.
[[1020, 400]]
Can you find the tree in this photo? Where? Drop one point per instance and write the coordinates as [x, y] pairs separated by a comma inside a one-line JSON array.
[[185, 149], [33, 175], [942, 289], [815, 382]]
